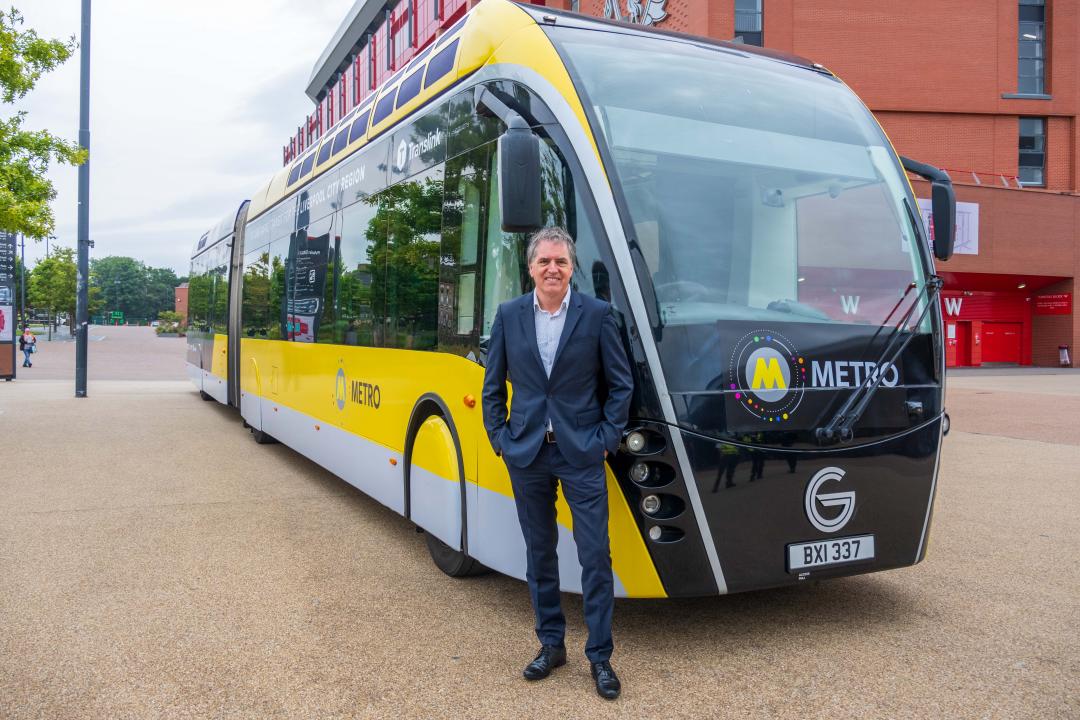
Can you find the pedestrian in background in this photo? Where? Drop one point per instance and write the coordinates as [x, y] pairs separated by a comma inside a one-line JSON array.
[[28, 345]]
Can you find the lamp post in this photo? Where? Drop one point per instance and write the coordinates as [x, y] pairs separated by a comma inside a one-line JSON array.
[[82, 315]]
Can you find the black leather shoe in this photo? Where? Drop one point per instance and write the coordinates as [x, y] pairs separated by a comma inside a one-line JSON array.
[[607, 682], [549, 658]]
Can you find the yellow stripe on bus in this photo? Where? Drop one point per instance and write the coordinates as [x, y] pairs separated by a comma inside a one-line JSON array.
[[371, 392]]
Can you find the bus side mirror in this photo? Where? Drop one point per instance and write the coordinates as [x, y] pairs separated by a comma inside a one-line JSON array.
[[943, 205], [943, 202], [519, 177]]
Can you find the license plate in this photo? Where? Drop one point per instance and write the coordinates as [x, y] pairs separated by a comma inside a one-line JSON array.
[[825, 553]]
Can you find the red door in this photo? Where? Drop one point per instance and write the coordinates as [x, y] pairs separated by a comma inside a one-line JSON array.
[[963, 344], [1001, 342]]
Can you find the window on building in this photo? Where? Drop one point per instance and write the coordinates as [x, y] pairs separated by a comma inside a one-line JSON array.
[[748, 21], [1032, 151], [1032, 47]]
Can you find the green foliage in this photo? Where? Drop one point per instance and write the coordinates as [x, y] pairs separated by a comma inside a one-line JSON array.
[[170, 322], [25, 156], [125, 284], [51, 284]]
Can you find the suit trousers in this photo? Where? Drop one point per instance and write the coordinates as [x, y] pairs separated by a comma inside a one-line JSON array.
[[585, 490]]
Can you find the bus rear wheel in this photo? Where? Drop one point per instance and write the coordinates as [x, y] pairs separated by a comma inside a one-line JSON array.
[[205, 395], [453, 562]]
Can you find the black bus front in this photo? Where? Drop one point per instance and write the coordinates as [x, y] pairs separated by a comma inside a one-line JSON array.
[[783, 268]]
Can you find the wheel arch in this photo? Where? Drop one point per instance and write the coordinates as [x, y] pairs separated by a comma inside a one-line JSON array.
[[426, 406]]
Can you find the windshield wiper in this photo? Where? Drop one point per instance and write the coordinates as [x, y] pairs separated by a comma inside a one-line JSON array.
[[839, 429]]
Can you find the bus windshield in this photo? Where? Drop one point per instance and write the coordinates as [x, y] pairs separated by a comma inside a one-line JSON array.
[[757, 191]]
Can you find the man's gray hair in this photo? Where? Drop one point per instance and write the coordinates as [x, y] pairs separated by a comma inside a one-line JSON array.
[[551, 234]]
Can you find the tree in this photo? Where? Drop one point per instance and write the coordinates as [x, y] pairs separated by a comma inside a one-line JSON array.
[[122, 281], [127, 285], [51, 283], [25, 156]]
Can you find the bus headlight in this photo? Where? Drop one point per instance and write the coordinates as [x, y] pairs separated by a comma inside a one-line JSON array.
[[639, 472], [655, 532], [650, 504], [635, 441]]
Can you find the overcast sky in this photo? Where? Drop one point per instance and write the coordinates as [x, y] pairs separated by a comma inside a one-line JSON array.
[[190, 104]]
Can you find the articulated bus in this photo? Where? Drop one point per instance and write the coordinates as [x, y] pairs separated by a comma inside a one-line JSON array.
[[741, 210]]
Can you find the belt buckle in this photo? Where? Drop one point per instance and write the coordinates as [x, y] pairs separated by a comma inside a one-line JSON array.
[[549, 436]]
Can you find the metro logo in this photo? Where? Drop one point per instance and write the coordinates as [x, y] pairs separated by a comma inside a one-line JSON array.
[[768, 375]]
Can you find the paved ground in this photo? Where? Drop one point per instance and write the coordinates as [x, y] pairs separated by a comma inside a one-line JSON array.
[[113, 353], [145, 576]]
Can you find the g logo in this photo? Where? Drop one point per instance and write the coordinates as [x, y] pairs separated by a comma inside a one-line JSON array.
[[844, 500]]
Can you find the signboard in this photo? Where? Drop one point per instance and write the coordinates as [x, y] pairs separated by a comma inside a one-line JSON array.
[[8, 320], [1055, 304], [967, 226]]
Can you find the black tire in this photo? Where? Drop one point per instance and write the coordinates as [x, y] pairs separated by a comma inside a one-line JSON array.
[[262, 438], [205, 395], [453, 562]]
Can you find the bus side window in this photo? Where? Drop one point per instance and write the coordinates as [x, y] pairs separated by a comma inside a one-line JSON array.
[[221, 287], [256, 293], [413, 210], [506, 273], [357, 275], [464, 192], [311, 250], [279, 263]]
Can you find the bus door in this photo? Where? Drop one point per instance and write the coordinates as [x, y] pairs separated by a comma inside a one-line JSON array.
[[236, 283]]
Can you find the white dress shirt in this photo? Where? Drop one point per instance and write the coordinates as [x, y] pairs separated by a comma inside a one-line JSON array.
[[549, 327]]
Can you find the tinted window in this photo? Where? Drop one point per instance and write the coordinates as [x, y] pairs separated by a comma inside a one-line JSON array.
[[359, 127], [467, 130], [256, 300], [413, 210], [384, 108], [294, 173], [441, 64], [361, 279], [310, 310], [340, 141], [308, 162], [278, 267], [410, 88], [324, 152]]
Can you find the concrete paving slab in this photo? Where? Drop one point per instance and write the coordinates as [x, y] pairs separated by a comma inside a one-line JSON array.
[[156, 563]]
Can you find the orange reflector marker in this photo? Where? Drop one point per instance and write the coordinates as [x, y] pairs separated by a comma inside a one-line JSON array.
[[393, 461], [316, 428], [470, 401]]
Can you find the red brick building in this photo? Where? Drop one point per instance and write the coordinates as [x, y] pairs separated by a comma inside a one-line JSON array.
[[989, 91], [181, 302]]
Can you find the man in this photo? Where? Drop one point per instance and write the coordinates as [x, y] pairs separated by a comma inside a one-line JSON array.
[[572, 388]]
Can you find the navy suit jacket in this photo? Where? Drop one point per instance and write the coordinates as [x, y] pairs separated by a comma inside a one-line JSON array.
[[587, 397]]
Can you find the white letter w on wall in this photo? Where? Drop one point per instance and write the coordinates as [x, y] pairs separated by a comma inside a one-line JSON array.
[[850, 303], [952, 305]]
